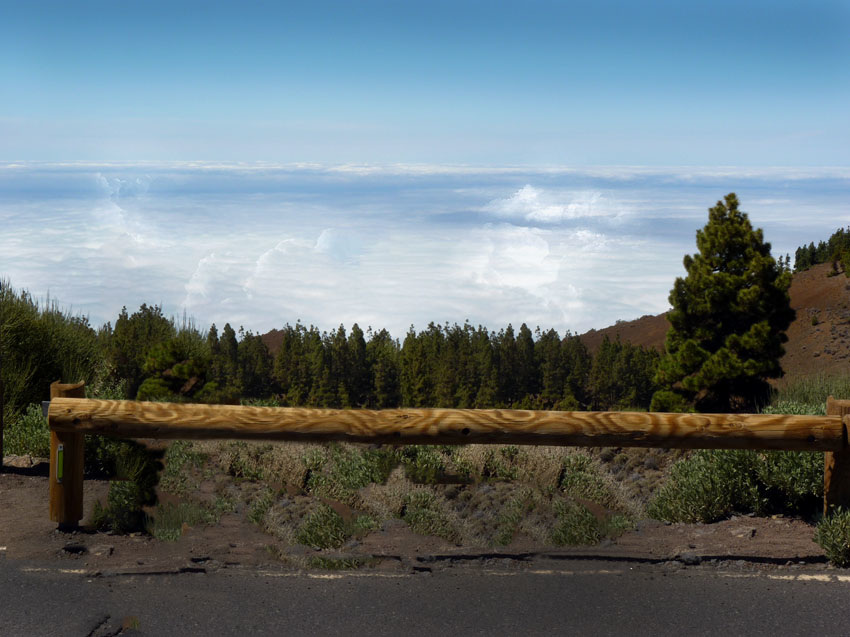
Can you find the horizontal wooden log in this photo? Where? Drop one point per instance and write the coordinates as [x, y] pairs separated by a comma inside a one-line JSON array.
[[131, 419]]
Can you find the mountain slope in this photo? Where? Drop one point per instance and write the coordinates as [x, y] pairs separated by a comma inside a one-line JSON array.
[[818, 339]]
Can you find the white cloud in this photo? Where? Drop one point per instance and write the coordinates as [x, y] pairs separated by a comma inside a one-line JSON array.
[[261, 244], [687, 174], [115, 187], [510, 256], [340, 245], [535, 205]]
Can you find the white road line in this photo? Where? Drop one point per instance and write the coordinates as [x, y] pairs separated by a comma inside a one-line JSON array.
[[797, 577]]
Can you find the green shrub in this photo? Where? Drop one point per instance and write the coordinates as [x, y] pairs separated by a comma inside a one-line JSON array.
[[260, 506], [28, 434], [792, 480], [340, 563], [814, 390], [344, 470], [833, 535], [134, 489], [247, 461], [423, 514], [41, 343], [156, 389], [323, 528], [167, 521], [668, 401], [795, 408], [103, 454], [511, 516], [423, 463], [707, 486], [582, 478], [574, 525], [179, 461], [616, 525], [711, 485]]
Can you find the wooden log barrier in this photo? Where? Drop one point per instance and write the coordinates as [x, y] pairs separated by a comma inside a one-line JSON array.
[[836, 465], [66, 463], [133, 419]]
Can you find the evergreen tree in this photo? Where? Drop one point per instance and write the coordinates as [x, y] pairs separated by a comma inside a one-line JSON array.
[[417, 362], [553, 370], [359, 373], [728, 319], [254, 366], [526, 370], [382, 354], [509, 380], [133, 337]]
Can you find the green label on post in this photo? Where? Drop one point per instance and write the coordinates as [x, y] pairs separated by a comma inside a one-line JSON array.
[[60, 462]]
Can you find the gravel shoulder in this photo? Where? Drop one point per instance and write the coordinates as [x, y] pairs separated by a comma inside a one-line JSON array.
[[27, 534]]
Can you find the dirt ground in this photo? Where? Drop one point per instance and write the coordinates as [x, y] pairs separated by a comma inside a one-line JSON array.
[[26, 533]]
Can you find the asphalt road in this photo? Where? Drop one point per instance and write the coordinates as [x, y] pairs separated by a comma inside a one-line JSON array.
[[582, 598]]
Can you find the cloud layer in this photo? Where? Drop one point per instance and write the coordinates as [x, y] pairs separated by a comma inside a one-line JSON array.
[[262, 245]]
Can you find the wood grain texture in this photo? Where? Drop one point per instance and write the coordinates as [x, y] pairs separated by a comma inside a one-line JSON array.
[[133, 419], [66, 497], [836, 465]]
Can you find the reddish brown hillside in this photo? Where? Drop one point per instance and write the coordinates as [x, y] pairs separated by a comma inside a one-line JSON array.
[[273, 340], [648, 331], [818, 339]]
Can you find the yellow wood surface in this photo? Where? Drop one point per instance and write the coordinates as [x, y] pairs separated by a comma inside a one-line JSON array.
[[66, 497], [134, 419], [836, 477]]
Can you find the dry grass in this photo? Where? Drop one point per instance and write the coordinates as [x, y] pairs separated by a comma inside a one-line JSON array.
[[475, 495]]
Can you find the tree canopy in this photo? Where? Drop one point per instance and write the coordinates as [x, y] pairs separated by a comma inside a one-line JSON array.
[[728, 321]]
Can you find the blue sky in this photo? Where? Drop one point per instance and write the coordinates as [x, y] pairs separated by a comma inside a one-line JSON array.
[[564, 83], [395, 163]]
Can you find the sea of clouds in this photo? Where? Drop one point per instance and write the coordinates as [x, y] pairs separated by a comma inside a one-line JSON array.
[[260, 245]]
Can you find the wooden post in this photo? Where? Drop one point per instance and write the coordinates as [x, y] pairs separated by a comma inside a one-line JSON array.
[[66, 465], [2, 416], [836, 465]]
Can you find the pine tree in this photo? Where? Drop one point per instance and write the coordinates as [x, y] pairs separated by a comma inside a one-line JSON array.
[[382, 354], [229, 356], [133, 337], [359, 373], [526, 372], [728, 321]]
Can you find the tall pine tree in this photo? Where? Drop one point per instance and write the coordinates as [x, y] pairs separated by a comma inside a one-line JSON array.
[[728, 321]]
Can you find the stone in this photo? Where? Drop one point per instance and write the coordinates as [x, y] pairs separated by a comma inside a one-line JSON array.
[[688, 558]]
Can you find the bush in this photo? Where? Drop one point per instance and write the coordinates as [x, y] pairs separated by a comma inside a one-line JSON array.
[[344, 470], [422, 463], [39, 344], [323, 528], [792, 480], [575, 525], [180, 460], [581, 477], [669, 401], [710, 485], [28, 434], [814, 390], [156, 389], [168, 520], [134, 489], [833, 535], [795, 408], [423, 514]]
